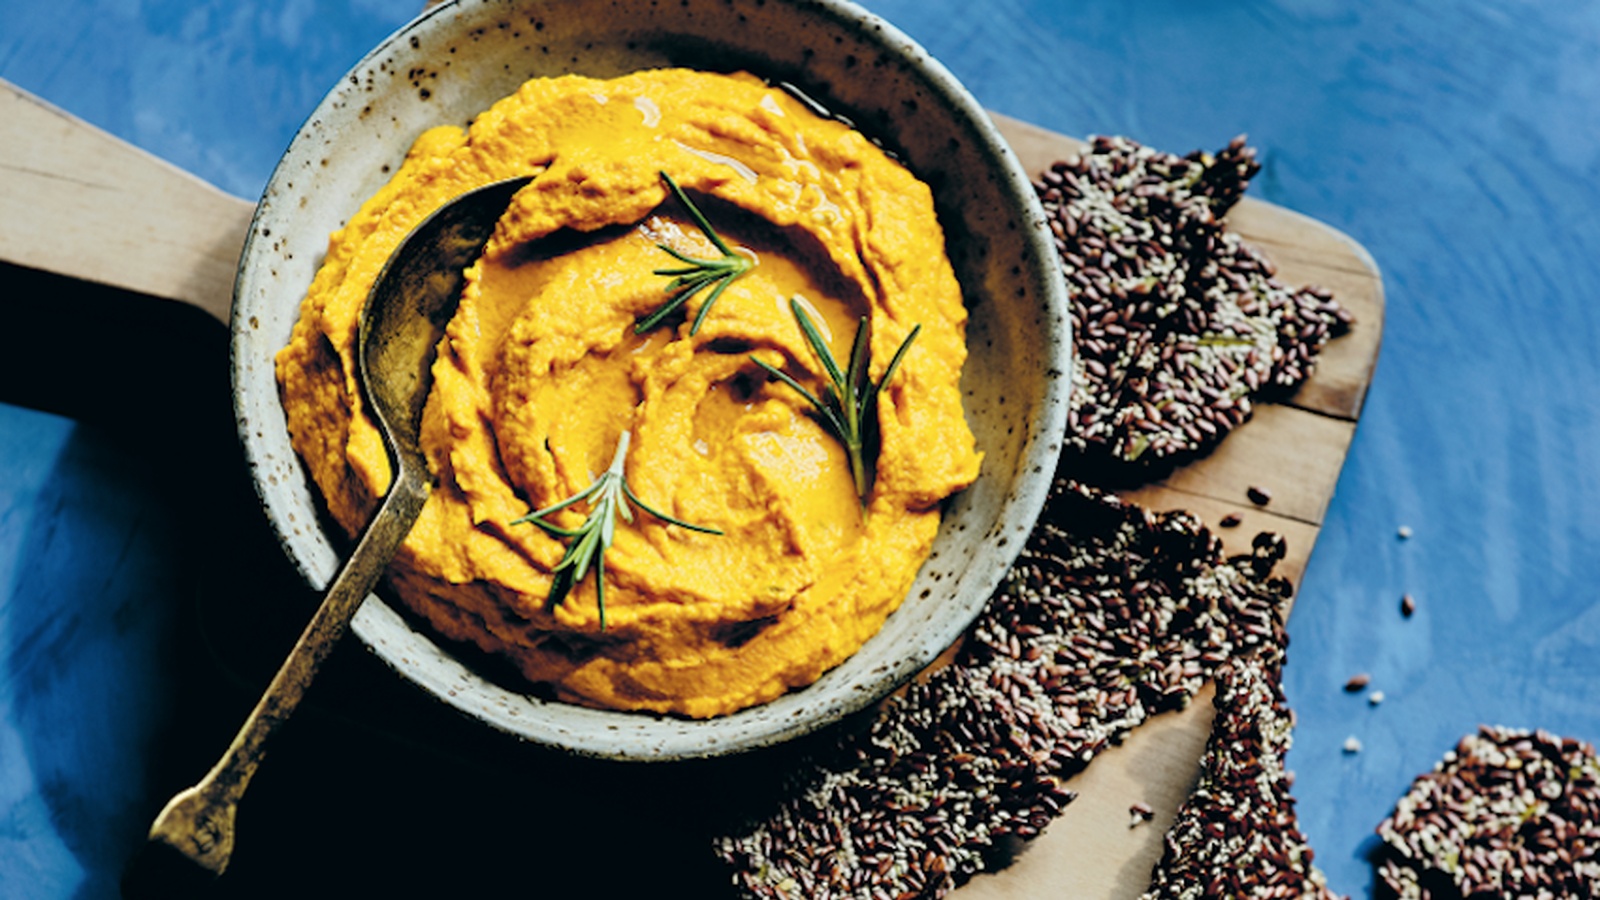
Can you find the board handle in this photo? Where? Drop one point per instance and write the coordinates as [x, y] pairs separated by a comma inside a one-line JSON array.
[[79, 202]]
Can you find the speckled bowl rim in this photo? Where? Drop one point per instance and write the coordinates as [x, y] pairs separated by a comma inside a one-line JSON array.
[[634, 736]]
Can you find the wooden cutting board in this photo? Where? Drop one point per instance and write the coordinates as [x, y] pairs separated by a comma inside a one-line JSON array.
[[159, 231], [1295, 450]]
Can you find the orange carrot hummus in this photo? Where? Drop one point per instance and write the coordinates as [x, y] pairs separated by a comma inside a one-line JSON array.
[[541, 372]]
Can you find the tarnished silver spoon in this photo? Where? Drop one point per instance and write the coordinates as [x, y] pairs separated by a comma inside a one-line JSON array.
[[400, 327]]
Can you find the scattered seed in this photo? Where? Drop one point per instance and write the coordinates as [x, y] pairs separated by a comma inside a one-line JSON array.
[[1231, 520], [1357, 682], [1260, 496], [1404, 532], [1352, 744], [1140, 813], [1375, 697], [1408, 605]]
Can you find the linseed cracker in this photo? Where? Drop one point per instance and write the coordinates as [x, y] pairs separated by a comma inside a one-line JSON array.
[[1178, 325], [1508, 813], [1237, 835], [1095, 630]]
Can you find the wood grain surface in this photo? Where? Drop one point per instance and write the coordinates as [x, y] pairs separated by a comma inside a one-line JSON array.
[[100, 209], [159, 231]]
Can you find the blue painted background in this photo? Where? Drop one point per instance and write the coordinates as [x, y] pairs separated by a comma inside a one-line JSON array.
[[1458, 141]]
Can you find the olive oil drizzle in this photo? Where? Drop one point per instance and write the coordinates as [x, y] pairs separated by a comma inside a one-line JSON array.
[[696, 274]]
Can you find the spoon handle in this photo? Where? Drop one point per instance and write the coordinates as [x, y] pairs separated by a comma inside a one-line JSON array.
[[198, 821]]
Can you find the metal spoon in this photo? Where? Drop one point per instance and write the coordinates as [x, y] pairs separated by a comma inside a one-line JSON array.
[[401, 324]]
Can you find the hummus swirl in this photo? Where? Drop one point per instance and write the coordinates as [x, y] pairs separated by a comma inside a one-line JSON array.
[[540, 373]]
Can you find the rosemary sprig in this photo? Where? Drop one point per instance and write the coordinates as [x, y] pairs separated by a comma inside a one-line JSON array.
[[695, 274], [849, 403], [591, 540]]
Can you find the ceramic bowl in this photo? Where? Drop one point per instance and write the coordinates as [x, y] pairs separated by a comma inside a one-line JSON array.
[[457, 59]]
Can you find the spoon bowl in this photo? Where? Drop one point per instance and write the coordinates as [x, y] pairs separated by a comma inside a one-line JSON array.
[[408, 307]]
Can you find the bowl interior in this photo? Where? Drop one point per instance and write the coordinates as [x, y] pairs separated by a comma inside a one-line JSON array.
[[454, 62]]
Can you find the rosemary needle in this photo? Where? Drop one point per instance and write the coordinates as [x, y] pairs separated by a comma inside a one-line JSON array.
[[610, 495], [695, 274], [848, 405]]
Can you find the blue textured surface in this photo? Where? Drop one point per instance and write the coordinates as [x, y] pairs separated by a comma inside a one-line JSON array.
[[1458, 141]]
